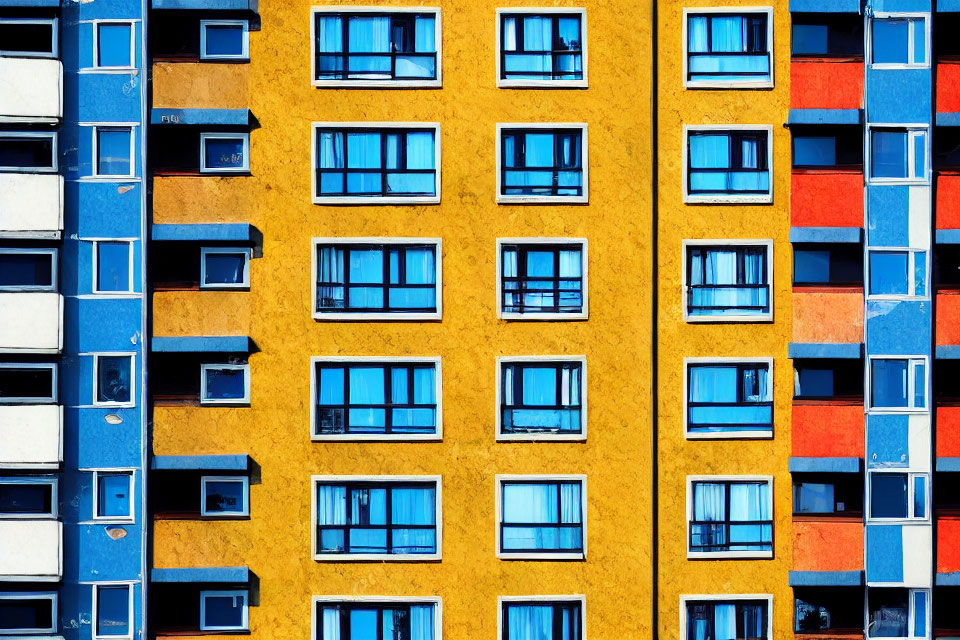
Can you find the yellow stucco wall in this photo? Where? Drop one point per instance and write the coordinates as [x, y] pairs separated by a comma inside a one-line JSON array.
[[274, 430], [680, 457]]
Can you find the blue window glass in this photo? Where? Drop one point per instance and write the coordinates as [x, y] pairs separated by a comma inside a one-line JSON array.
[[731, 516], [888, 154], [541, 162], [376, 163], [541, 47], [891, 41], [113, 44], [400, 46], [223, 610], [26, 498], [225, 153], [889, 272], [113, 378], [814, 151], [20, 615], [542, 278], [31, 152], [224, 496], [727, 281], [811, 266], [541, 620], [113, 266], [815, 383], [889, 383], [888, 495], [113, 495], [727, 162], [363, 621], [810, 39], [813, 497], [729, 398], [728, 48], [113, 610], [113, 152], [225, 268], [919, 614], [717, 619], [27, 270], [541, 397], [225, 383], [541, 517], [225, 40], [919, 497]]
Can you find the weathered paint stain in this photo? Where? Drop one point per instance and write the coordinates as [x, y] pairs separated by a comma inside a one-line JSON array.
[[828, 317], [828, 545]]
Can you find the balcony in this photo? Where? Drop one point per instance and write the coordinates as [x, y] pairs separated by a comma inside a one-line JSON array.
[[948, 200], [826, 83], [31, 550], [948, 552], [31, 322], [31, 436], [31, 205], [821, 430], [193, 313], [948, 79], [947, 327], [186, 85], [826, 198], [30, 90], [827, 544], [825, 315], [948, 430]]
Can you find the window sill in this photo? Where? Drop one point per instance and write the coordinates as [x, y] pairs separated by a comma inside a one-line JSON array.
[[836, 634], [376, 317], [828, 402], [378, 84], [507, 555], [830, 288], [736, 84], [374, 200], [378, 437], [543, 317], [196, 173], [727, 199], [377, 557], [541, 84], [542, 437], [758, 434], [702, 319], [502, 199], [729, 555], [198, 632]]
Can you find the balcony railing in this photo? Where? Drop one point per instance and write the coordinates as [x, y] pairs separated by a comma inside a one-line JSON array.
[[31, 550], [31, 90], [31, 322], [826, 83], [31, 205], [822, 429], [31, 436]]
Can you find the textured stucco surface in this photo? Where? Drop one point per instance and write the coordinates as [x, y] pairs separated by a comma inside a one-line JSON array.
[[832, 317], [826, 198], [199, 313], [827, 431], [826, 545]]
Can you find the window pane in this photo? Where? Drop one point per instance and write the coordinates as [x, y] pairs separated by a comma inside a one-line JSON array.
[[223, 496], [26, 152], [890, 41], [224, 40], [26, 270], [919, 40], [814, 152], [919, 385], [113, 495], [919, 497], [811, 497], [888, 495], [539, 386], [22, 498], [363, 624], [888, 157], [530, 622], [224, 268], [713, 384], [817, 383], [920, 273], [225, 384], [888, 380], [113, 610], [223, 153], [919, 155], [223, 611], [366, 266], [811, 266], [34, 383], [530, 503], [888, 612], [810, 39], [113, 45], [26, 613], [113, 266], [920, 614], [113, 378], [113, 152], [889, 273]]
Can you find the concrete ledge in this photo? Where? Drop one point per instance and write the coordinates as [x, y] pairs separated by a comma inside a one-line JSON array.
[[238, 117], [846, 351], [948, 236], [238, 462], [207, 5], [825, 116], [823, 578], [836, 235], [948, 5], [824, 465], [199, 232], [948, 579], [201, 344], [825, 6], [201, 574], [948, 352], [948, 464]]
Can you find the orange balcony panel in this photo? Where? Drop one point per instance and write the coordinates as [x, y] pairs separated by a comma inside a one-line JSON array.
[[826, 84], [186, 85], [828, 545], [201, 313], [948, 432], [948, 201], [948, 551], [948, 87], [828, 316], [827, 430], [826, 199], [948, 312], [201, 199]]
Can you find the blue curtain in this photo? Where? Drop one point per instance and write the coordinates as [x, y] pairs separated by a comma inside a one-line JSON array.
[[366, 266], [413, 506], [570, 502], [366, 385], [424, 386], [331, 386], [540, 264], [330, 624], [331, 150], [539, 386], [530, 622], [570, 266], [329, 34], [729, 34], [748, 154], [363, 150], [539, 150], [530, 503], [537, 34], [421, 622], [331, 504], [713, 384]]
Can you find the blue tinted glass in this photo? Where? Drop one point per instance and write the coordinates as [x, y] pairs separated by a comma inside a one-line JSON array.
[[919, 385], [888, 154], [26, 269], [331, 386], [225, 384], [113, 266], [539, 149], [810, 39], [224, 611], [224, 268], [363, 150], [113, 378], [366, 385], [113, 610], [366, 266], [809, 497], [814, 151], [223, 153], [888, 495], [888, 381], [540, 264], [890, 41], [888, 273], [816, 382], [539, 386], [363, 624], [223, 496], [920, 156], [811, 266], [530, 621], [113, 152], [113, 495], [224, 40], [113, 45], [919, 40], [919, 497]]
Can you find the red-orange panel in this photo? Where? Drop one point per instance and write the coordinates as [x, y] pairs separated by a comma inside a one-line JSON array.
[[948, 317], [948, 87], [826, 199], [948, 432], [821, 84], [828, 546], [948, 201], [834, 316], [827, 431], [948, 551]]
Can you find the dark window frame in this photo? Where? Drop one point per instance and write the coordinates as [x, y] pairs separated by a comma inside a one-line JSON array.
[[555, 51], [709, 615], [558, 366], [52, 398], [519, 162], [558, 607], [734, 160], [48, 140], [741, 393], [30, 597], [742, 251], [757, 44], [522, 278], [539, 525], [51, 485], [346, 607], [52, 52], [724, 525]]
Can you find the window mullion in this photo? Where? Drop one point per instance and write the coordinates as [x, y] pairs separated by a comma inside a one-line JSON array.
[[346, 398], [389, 518], [387, 399]]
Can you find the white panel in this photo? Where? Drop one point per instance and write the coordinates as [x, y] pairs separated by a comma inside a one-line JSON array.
[[31, 322], [30, 550], [30, 89], [31, 204], [917, 555], [919, 442], [920, 220], [31, 436]]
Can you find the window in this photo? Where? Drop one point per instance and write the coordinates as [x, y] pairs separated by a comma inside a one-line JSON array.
[[28, 613], [542, 280], [365, 618], [727, 617], [827, 264], [113, 495], [898, 154], [541, 618], [837, 609], [28, 269], [822, 146], [114, 45], [377, 519], [827, 35], [728, 281], [732, 517], [898, 383], [113, 380], [377, 48], [542, 398], [223, 496], [370, 398], [828, 494], [28, 37], [897, 273], [113, 151], [898, 496], [377, 280], [819, 379], [541, 49], [113, 610], [28, 383], [899, 41], [224, 40], [224, 384], [728, 49], [224, 268], [223, 610], [724, 165], [542, 163], [379, 162], [224, 152], [540, 517], [28, 498], [729, 399], [898, 613], [114, 267], [25, 152]]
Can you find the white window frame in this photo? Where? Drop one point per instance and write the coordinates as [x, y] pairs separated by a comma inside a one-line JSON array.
[[741, 435], [33, 480], [374, 127], [578, 598], [685, 599], [96, 266], [911, 611], [374, 437], [32, 595], [346, 314], [204, 368], [512, 315], [205, 251], [373, 84], [736, 244], [245, 505], [95, 165], [316, 624], [377, 557], [913, 131], [890, 15], [94, 619], [96, 43], [133, 379], [912, 362], [911, 475], [234, 593], [535, 199], [729, 198], [713, 555], [33, 134], [504, 83], [500, 478], [52, 399], [224, 135], [33, 287], [912, 293], [245, 50], [728, 84], [54, 40], [131, 473], [527, 437]]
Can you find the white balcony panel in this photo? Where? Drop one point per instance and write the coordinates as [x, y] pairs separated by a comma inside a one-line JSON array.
[[30, 90], [31, 550], [31, 322], [31, 436], [31, 205]]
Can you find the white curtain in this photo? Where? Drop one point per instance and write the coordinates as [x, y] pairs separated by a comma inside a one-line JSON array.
[[530, 503], [713, 384], [369, 35], [331, 504], [570, 264], [510, 34], [537, 33], [708, 502], [749, 501], [424, 35], [331, 623], [725, 622], [421, 622], [530, 622], [570, 502], [697, 34], [329, 34]]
